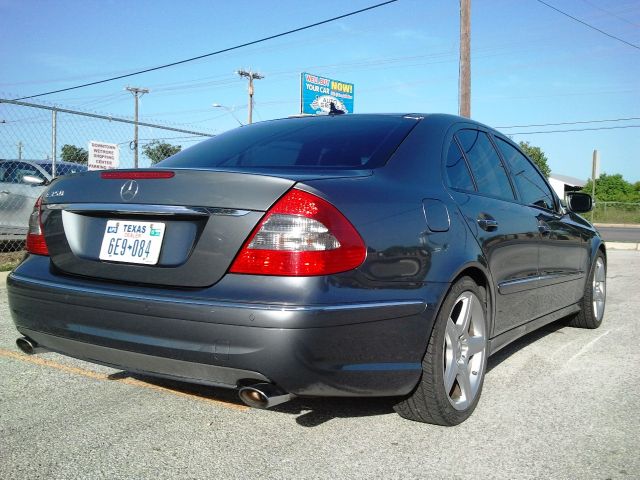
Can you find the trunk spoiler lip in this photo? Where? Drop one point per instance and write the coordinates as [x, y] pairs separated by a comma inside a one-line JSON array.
[[294, 174]]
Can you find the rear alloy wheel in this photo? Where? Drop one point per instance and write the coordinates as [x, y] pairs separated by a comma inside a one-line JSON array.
[[454, 365], [595, 296]]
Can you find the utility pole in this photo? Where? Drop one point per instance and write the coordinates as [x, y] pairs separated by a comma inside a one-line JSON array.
[[19, 145], [595, 173], [137, 93], [464, 82], [251, 76], [54, 140]]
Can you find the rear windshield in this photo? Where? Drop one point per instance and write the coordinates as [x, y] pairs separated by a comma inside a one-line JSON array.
[[342, 142]]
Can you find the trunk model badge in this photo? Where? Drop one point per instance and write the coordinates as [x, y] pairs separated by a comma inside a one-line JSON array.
[[129, 190]]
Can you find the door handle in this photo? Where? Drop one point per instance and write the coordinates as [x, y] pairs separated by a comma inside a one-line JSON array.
[[487, 223]]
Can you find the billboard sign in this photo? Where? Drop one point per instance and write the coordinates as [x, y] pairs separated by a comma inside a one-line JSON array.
[[103, 156], [317, 94]]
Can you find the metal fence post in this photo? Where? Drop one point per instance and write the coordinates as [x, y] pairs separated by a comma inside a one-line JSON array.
[[54, 139], [34, 130]]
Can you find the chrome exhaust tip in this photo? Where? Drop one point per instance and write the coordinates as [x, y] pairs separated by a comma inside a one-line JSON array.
[[263, 395], [28, 346]]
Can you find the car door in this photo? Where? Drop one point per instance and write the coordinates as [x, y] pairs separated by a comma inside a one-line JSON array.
[[505, 230], [17, 196], [562, 249]]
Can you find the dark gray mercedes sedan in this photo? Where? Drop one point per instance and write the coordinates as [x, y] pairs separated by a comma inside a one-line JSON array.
[[343, 255]]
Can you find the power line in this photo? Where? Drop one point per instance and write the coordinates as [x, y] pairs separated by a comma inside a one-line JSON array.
[[571, 123], [611, 13], [236, 47], [576, 130], [188, 137], [588, 25]]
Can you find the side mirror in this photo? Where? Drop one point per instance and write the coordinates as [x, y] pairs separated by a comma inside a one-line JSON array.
[[579, 202], [32, 180]]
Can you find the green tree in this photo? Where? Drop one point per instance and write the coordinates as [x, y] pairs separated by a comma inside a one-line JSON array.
[[156, 151], [71, 153], [537, 156], [613, 188]]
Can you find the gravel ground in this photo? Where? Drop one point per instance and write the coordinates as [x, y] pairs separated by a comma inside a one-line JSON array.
[[559, 403]]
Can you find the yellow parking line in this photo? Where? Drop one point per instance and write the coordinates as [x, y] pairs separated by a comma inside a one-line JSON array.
[[43, 362]]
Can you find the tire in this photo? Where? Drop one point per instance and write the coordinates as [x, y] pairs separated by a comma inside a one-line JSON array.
[[595, 296], [456, 354]]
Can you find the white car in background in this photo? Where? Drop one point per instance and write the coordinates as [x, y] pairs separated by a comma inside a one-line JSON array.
[[21, 183]]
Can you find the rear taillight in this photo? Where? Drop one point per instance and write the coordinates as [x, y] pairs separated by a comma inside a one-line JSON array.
[[35, 235], [301, 235]]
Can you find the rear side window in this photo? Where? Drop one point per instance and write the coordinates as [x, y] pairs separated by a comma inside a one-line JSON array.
[[64, 168], [486, 166], [531, 186], [458, 175], [342, 142], [14, 172]]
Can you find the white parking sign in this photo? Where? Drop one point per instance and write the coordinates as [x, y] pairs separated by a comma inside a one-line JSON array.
[[103, 156]]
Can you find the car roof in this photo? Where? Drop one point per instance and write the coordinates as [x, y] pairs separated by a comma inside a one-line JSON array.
[[439, 119]]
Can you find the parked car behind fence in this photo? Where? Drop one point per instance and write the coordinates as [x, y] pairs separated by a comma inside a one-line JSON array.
[[21, 183]]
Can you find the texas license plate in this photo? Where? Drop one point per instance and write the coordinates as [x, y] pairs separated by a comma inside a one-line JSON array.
[[132, 242]]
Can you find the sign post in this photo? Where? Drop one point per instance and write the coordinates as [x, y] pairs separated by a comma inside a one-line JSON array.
[[103, 156], [319, 94], [595, 173]]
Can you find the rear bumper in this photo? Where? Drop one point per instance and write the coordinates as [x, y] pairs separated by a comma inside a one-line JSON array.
[[146, 364], [351, 349]]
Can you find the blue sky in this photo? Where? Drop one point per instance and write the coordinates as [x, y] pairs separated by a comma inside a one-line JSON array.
[[530, 65]]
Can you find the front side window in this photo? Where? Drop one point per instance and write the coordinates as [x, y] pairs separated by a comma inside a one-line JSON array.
[[531, 186], [486, 166]]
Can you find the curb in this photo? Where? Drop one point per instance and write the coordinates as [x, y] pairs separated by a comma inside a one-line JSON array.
[[616, 225], [622, 246]]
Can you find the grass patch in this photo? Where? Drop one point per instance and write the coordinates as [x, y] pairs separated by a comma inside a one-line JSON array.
[[11, 254], [615, 213]]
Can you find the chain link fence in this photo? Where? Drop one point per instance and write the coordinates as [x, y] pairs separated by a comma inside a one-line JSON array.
[[615, 212], [39, 142]]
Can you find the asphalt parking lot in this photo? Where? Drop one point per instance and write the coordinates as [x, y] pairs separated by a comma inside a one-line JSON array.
[[560, 403]]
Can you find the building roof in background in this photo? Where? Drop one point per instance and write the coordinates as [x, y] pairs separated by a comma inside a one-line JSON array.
[[576, 182]]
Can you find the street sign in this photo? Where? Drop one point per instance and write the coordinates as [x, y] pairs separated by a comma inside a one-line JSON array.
[[317, 94], [103, 156]]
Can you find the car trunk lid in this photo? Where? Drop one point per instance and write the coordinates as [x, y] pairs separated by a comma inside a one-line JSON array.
[[205, 216]]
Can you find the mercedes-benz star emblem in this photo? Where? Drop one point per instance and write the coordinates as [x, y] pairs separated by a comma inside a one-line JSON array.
[[129, 190]]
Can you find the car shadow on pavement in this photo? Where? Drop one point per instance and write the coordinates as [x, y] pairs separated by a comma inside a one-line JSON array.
[[523, 342], [313, 412], [201, 392]]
